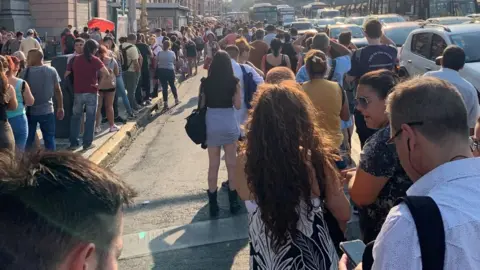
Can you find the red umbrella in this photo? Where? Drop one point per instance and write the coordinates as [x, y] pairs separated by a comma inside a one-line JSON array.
[[102, 24]]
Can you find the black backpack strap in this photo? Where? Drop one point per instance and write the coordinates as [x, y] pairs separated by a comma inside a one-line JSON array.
[[332, 69], [430, 230]]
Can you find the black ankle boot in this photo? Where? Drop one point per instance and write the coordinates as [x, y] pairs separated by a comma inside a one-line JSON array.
[[212, 203], [233, 199]]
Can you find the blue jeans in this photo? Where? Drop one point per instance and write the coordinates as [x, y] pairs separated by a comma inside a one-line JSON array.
[[47, 126], [122, 92], [89, 101], [19, 126]]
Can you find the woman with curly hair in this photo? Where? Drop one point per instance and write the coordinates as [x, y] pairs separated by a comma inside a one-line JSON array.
[[289, 180], [8, 102]]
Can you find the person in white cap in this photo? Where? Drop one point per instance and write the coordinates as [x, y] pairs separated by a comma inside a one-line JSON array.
[[29, 43]]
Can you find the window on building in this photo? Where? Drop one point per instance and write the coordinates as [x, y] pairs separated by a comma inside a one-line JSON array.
[[420, 44]]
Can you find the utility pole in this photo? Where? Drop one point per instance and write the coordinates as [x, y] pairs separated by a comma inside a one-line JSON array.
[[132, 16]]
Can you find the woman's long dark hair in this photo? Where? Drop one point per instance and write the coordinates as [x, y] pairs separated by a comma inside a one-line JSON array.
[[285, 152], [276, 45], [221, 72], [89, 49]]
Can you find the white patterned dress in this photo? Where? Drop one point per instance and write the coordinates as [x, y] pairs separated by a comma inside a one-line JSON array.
[[310, 249]]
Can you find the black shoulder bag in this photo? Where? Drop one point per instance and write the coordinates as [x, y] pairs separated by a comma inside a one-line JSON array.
[[430, 231], [196, 127]]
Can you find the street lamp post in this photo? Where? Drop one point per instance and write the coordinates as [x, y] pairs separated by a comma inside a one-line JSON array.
[[143, 18]]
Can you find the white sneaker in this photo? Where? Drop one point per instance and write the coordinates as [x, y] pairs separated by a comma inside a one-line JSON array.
[[114, 128], [98, 129]]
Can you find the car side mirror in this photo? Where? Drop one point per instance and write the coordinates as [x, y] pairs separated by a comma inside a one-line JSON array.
[[438, 61]]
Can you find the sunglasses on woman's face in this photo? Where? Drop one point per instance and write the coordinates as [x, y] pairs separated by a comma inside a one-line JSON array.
[[362, 102]]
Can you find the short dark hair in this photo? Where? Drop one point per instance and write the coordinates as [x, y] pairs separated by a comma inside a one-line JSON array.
[[19, 34], [52, 201], [259, 34], [270, 28], [453, 57], [345, 38], [77, 40], [293, 31], [381, 81], [85, 29], [233, 51], [373, 28]]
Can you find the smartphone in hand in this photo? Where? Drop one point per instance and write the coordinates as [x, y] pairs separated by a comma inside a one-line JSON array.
[[354, 250]]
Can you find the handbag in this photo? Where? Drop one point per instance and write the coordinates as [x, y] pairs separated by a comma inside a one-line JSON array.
[[196, 127], [109, 81]]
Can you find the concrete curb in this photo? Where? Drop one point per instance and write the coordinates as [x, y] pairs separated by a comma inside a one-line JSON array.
[[127, 133]]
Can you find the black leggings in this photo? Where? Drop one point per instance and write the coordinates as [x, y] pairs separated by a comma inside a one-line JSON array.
[[167, 77]]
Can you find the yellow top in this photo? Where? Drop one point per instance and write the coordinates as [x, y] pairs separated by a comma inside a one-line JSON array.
[[326, 96]]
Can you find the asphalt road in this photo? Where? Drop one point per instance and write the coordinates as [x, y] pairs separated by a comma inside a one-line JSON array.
[[169, 226]]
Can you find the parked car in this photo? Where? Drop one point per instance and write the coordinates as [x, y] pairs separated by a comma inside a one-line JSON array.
[[355, 20], [423, 46], [358, 37], [398, 32], [321, 24], [339, 19], [449, 20], [386, 18], [474, 16], [303, 26]]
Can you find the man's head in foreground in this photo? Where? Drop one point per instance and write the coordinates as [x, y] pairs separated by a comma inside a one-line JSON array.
[[59, 211]]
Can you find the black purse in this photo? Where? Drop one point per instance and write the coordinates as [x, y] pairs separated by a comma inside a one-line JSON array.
[[196, 127]]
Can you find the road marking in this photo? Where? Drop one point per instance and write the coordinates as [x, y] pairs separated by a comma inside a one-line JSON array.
[[185, 236]]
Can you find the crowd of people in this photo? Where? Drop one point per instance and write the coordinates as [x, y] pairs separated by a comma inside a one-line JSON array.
[[287, 149], [283, 107]]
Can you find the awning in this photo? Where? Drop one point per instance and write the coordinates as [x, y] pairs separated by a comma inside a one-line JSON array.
[[102, 24]]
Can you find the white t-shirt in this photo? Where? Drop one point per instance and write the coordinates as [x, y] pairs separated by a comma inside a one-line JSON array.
[[160, 41], [219, 32]]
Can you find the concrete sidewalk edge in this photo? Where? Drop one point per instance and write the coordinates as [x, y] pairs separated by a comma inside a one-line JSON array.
[[122, 138]]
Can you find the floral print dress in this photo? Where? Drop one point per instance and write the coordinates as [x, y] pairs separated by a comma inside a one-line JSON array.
[[311, 248], [381, 160]]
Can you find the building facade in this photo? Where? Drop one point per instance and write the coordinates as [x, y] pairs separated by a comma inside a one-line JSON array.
[[49, 16]]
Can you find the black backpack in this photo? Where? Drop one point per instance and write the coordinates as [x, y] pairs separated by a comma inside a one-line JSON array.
[[125, 64], [69, 44], [430, 231], [196, 127]]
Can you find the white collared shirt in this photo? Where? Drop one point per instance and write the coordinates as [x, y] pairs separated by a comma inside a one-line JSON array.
[[455, 187], [237, 71], [468, 91]]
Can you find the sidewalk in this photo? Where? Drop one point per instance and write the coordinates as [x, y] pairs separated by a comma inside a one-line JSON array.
[[108, 144]]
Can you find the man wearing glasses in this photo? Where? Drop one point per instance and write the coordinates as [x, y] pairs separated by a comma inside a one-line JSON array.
[[434, 149]]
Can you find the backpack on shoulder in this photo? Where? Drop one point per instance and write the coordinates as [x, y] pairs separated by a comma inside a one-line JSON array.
[[430, 231], [249, 86], [125, 64]]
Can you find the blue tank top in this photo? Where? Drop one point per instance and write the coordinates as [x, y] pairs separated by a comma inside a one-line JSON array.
[[21, 107]]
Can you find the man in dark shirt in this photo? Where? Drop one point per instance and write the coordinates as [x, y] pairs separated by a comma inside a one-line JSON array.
[[380, 53], [144, 82]]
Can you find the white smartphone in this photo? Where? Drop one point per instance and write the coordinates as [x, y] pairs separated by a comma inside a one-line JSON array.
[[354, 250]]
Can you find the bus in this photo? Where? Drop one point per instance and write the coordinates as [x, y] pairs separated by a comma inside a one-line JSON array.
[[286, 14], [310, 11], [327, 13], [264, 11], [423, 9]]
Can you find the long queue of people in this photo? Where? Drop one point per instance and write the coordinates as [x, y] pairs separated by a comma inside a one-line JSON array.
[[288, 156]]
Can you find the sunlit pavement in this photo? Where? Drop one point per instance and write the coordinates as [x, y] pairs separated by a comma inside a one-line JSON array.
[[169, 226]]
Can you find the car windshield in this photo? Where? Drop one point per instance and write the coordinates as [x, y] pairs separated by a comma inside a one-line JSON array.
[[355, 30], [357, 21], [469, 42], [325, 21], [392, 19], [399, 34], [339, 19], [302, 26]]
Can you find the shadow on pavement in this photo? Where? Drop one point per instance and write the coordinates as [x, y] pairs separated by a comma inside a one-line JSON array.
[[220, 255], [141, 206], [190, 103]]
